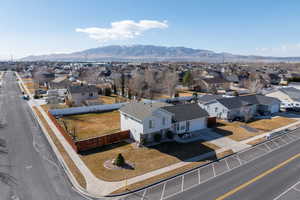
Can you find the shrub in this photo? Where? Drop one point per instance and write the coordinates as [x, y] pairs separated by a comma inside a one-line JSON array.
[[119, 161], [169, 134], [157, 137]]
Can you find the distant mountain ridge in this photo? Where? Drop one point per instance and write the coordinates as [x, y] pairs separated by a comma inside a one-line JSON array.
[[151, 53]]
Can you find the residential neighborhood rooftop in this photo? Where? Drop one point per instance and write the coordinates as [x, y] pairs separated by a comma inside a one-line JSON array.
[[186, 112], [140, 110]]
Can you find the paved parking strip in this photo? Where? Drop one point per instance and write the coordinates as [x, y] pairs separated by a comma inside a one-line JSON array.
[[191, 179], [173, 186], [205, 173], [291, 193], [233, 162]]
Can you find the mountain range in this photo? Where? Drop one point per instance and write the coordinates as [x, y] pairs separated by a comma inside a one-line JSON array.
[[151, 53]]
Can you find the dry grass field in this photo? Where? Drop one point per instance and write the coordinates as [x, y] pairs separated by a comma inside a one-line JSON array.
[[93, 124], [235, 130]]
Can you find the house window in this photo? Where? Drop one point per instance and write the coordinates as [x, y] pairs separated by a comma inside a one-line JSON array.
[[91, 94], [216, 109], [151, 124], [182, 127], [177, 127], [163, 121]]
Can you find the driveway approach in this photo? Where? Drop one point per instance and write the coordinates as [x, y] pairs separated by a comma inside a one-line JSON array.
[[30, 159]]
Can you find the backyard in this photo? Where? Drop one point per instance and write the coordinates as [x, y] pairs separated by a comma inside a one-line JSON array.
[[92, 124]]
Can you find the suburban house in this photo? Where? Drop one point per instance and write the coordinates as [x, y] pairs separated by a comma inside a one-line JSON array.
[[78, 94], [144, 120], [289, 97], [211, 84], [60, 83], [243, 107]]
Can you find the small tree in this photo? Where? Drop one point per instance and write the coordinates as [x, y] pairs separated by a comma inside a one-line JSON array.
[[119, 161], [157, 137], [187, 78]]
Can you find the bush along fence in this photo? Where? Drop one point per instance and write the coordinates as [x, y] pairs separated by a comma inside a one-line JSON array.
[[91, 143]]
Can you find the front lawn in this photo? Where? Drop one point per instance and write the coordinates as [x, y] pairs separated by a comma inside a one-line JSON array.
[[144, 159], [241, 131]]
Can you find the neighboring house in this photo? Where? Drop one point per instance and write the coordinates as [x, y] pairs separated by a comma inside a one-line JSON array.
[[211, 84], [144, 120], [244, 107], [56, 96], [289, 97], [78, 94], [60, 83]]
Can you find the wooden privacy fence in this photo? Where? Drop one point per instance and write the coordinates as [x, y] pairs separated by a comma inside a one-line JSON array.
[[87, 144], [92, 143], [63, 132], [211, 121]]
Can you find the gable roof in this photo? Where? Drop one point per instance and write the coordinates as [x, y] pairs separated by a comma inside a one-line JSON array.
[[60, 79], [240, 101], [140, 110], [215, 80], [186, 112], [82, 88], [207, 98]]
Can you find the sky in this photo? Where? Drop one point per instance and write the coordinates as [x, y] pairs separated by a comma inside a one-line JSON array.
[[256, 27]]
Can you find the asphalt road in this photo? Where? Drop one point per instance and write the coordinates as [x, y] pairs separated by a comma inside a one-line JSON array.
[[30, 160], [268, 187]]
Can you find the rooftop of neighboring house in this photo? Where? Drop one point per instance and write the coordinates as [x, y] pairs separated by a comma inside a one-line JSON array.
[[59, 79], [141, 110], [215, 80], [184, 112], [240, 101], [82, 88], [208, 98]]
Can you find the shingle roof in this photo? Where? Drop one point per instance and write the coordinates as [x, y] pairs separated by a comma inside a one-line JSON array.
[[185, 112], [240, 101], [207, 98], [82, 88], [141, 110], [215, 80]]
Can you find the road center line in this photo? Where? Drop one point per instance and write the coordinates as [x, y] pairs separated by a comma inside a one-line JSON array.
[[235, 190]]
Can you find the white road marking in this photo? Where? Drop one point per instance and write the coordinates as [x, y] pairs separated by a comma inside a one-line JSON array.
[[227, 164], [182, 183], [199, 177], [163, 191], [213, 167], [289, 189]]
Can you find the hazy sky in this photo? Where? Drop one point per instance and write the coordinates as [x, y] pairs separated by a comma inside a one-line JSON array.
[[261, 27]]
